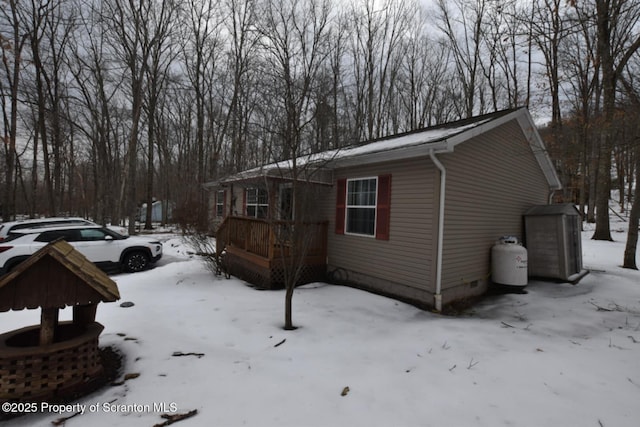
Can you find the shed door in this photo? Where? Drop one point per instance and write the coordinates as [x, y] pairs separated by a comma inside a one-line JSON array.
[[573, 245]]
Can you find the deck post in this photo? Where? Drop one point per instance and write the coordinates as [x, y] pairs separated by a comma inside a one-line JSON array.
[[272, 242]]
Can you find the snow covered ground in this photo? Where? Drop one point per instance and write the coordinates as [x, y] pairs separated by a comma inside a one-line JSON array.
[[560, 355]]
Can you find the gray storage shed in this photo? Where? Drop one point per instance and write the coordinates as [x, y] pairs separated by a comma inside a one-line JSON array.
[[553, 242]]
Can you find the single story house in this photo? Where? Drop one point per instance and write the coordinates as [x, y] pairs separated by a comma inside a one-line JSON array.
[[413, 216]]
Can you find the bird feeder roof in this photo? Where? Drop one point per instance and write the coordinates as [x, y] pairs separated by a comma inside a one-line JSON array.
[[57, 275]]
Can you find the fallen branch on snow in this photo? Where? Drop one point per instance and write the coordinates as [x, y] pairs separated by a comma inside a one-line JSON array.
[[599, 308], [61, 421], [127, 377], [174, 418], [179, 354], [472, 364]]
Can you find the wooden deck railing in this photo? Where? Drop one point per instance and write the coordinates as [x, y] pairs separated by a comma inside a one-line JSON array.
[[269, 239]]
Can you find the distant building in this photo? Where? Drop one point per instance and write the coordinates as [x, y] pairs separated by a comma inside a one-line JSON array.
[[156, 211]]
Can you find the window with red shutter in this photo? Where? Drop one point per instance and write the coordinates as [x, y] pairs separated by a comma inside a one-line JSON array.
[[363, 206], [224, 204]]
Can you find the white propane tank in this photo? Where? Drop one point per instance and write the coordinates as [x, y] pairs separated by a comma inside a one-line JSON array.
[[509, 262]]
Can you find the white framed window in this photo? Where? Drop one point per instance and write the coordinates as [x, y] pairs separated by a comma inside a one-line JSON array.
[[361, 206], [257, 205], [220, 203]]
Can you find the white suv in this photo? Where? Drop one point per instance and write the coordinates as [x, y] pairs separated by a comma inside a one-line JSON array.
[[104, 247], [7, 227]]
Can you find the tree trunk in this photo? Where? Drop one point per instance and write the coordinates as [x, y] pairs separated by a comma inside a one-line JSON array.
[[605, 144], [9, 135], [603, 190], [288, 309], [150, 155], [593, 179], [634, 218]]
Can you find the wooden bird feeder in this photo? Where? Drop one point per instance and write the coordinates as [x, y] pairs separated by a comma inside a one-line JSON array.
[[41, 361]]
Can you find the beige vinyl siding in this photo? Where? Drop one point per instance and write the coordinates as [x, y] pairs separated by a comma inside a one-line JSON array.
[[491, 181], [405, 261]]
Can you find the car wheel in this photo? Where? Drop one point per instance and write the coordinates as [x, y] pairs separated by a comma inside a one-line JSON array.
[[136, 261]]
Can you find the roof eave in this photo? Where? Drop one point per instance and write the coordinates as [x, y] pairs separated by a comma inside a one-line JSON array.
[[402, 153], [539, 149], [444, 145]]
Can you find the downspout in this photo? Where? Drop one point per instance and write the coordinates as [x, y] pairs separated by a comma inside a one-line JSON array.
[[443, 181]]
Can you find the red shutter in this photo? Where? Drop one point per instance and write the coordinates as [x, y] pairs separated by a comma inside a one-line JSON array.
[[341, 204], [224, 204], [384, 207], [244, 202]]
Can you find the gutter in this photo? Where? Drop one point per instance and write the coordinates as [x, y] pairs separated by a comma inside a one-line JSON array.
[[443, 181]]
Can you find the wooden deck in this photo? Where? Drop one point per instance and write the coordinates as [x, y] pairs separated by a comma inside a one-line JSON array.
[[259, 251]]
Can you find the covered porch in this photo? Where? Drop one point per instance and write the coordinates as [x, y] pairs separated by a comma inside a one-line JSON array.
[[261, 251]]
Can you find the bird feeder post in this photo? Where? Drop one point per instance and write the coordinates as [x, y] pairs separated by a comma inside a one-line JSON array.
[[84, 315], [48, 325]]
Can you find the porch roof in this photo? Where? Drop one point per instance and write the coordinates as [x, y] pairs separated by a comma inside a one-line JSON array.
[[278, 171]]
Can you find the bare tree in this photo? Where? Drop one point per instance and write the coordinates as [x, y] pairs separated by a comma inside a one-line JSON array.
[[508, 59], [422, 77], [578, 62], [548, 29], [134, 29], [201, 53], [634, 218], [95, 88], [241, 25], [12, 43], [618, 41], [376, 50], [462, 26], [632, 90], [162, 55], [332, 105], [295, 39], [51, 25]]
